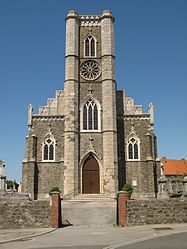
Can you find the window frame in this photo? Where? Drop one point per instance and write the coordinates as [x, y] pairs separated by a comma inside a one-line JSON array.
[[53, 143], [137, 142], [82, 110], [90, 47]]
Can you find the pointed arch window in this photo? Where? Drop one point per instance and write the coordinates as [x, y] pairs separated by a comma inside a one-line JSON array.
[[49, 149], [133, 148], [90, 116], [90, 46]]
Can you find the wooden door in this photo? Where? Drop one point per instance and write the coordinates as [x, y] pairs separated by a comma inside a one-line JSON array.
[[90, 177]]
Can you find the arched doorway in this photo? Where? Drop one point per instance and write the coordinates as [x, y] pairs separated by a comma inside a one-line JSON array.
[[90, 176]]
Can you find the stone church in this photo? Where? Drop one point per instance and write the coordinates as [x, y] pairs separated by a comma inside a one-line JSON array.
[[90, 138]]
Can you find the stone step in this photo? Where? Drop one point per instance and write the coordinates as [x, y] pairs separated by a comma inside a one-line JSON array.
[[91, 197], [81, 213]]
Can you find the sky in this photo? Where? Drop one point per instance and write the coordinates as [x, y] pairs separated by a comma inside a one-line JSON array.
[[151, 65]]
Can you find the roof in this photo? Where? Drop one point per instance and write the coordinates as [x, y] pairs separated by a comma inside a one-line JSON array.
[[174, 167]]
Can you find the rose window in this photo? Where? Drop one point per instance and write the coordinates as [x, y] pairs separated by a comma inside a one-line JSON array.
[[90, 70]]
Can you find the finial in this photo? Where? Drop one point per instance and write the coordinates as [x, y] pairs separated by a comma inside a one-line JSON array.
[[151, 112], [107, 13], [72, 14], [30, 110]]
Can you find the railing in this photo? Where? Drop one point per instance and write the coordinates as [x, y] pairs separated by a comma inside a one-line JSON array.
[[109, 193], [71, 193]]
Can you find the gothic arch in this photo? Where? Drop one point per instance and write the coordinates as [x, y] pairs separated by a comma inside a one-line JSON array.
[[90, 46], [133, 147], [91, 156], [48, 148], [90, 115]]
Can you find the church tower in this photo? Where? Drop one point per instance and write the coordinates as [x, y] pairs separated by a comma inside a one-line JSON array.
[[90, 138], [90, 155]]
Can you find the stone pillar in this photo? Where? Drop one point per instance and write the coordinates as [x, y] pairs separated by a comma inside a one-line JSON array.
[[151, 112], [33, 155], [122, 208], [30, 110], [149, 147], [2, 176], [169, 187], [71, 104], [185, 186], [110, 164], [162, 192], [56, 210], [31, 186]]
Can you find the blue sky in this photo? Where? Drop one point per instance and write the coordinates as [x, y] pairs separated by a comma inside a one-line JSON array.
[[151, 65]]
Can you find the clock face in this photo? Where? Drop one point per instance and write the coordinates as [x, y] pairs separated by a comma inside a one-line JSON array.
[[90, 70]]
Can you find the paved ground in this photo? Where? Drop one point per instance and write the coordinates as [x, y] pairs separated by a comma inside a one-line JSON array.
[[9, 235], [173, 241], [92, 237]]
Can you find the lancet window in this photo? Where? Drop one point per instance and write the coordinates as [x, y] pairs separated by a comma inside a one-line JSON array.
[[133, 148], [49, 149], [90, 46], [90, 116]]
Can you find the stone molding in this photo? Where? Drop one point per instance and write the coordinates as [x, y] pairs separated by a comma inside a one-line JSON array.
[[90, 20], [143, 116], [72, 55], [108, 55], [90, 23], [47, 118], [109, 79], [68, 80]]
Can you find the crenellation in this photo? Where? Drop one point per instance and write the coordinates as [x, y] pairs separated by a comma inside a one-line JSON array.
[[130, 108]]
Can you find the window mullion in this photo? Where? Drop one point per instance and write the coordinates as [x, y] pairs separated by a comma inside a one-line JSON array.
[[89, 47], [47, 152], [87, 125]]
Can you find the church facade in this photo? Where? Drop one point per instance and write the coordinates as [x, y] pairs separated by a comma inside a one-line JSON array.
[[91, 138]]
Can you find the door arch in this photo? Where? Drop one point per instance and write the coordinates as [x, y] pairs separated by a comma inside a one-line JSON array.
[[90, 176]]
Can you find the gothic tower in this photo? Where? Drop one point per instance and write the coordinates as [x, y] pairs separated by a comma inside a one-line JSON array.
[[90, 105]]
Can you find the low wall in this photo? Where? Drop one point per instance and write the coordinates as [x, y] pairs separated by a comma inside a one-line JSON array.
[[25, 214], [156, 211]]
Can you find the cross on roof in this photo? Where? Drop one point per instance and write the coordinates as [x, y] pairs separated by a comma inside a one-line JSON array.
[[90, 89]]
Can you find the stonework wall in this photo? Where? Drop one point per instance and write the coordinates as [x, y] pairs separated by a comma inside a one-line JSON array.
[[49, 175], [96, 91], [141, 128], [97, 144], [84, 32], [40, 176], [140, 212], [145, 170], [41, 128], [25, 214], [143, 173]]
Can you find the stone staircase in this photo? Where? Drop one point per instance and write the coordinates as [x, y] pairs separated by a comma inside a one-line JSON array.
[[89, 209]]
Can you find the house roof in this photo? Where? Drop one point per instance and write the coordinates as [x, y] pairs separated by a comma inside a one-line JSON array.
[[174, 167]]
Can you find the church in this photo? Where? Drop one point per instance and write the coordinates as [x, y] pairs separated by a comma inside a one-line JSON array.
[[90, 138]]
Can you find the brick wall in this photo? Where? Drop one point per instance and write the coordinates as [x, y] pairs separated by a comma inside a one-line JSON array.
[[154, 211], [25, 214]]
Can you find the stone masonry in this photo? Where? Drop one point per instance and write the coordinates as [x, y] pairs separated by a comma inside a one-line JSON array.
[[140, 212], [24, 214]]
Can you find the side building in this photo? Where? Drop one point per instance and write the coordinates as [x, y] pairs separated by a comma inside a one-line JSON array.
[[175, 173]]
